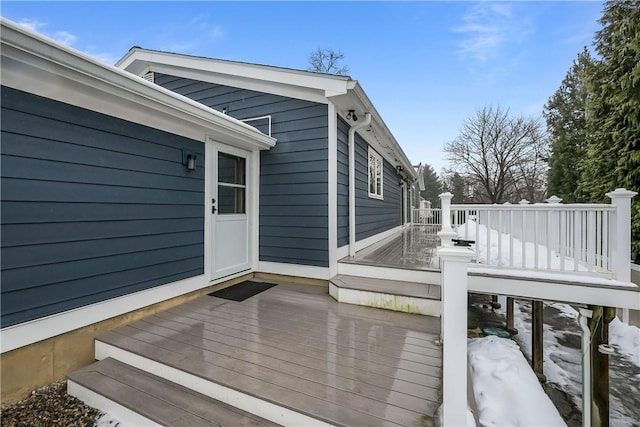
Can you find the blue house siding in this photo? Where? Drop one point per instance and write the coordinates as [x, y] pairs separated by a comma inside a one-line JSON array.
[[93, 207], [343, 182], [375, 216], [293, 174]]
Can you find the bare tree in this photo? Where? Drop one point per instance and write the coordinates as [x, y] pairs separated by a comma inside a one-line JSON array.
[[324, 60], [501, 155]]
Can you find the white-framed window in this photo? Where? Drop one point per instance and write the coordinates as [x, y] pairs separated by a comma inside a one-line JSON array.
[[376, 174]]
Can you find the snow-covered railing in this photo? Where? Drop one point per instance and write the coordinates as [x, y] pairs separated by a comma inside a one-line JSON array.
[[588, 238], [428, 216]]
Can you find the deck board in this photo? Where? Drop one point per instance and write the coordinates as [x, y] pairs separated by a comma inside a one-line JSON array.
[[413, 248], [157, 399], [298, 348]]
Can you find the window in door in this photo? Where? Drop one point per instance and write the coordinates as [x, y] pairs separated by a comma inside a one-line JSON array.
[[232, 186]]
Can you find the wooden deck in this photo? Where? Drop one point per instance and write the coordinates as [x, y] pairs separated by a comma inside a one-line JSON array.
[[295, 347], [412, 248]]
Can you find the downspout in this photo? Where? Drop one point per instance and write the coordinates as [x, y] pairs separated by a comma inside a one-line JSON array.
[[352, 182], [583, 319]]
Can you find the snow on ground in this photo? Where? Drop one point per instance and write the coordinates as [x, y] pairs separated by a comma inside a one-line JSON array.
[[106, 420], [626, 339], [506, 390], [561, 365], [563, 358]]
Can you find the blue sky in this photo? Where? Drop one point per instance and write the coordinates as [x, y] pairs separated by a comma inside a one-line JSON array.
[[426, 65]]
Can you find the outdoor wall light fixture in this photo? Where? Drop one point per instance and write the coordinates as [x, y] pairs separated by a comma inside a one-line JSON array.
[[352, 115], [189, 160]]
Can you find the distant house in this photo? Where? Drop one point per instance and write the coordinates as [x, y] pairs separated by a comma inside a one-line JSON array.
[[126, 187]]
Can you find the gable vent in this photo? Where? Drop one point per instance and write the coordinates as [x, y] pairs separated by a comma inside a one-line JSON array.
[[149, 77]]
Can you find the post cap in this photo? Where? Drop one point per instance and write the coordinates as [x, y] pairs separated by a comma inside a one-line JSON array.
[[554, 199], [621, 193]]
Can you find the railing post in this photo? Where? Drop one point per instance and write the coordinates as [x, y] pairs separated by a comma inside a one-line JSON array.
[[446, 232], [620, 233], [454, 260], [553, 230]]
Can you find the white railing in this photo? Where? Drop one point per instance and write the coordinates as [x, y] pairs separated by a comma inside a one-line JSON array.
[[571, 237], [430, 216], [578, 238]]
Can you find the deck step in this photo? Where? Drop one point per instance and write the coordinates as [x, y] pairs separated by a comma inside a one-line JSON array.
[[136, 397], [408, 297], [282, 357]]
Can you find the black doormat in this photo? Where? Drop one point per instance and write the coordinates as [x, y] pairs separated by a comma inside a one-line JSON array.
[[242, 291]]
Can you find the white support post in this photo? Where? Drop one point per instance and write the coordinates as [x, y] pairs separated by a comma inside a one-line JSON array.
[[446, 232], [454, 260], [583, 319], [621, 237], [621, 233]]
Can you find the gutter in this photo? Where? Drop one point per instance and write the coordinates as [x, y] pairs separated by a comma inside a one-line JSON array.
[[352, 182]]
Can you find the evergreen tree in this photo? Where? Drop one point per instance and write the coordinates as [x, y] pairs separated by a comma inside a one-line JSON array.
[[432, 186], [612, 157], [566, 126], [459, 189]]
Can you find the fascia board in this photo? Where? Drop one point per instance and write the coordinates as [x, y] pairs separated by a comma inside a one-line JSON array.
[[36, 64], [272, 77], [296, 92], [357, 99]]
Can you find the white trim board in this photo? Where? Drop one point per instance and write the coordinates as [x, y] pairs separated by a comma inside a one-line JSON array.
[[30, 332], [343, 251], [332, 186], [296, 270], [549, 290], [401, 303]]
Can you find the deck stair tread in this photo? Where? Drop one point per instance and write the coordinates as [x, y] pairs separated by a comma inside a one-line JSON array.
[[392, 287], [297, 350], [159, 400]]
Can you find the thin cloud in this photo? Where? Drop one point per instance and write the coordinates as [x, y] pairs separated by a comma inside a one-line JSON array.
[[487, 28], [32, 24], [64, 37], [191, 36]]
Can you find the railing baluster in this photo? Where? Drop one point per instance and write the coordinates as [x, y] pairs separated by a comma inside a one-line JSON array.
[[511, 238], [549, 237], [591, 240], [478, 245], [500, 238], [535, 239], [563, 237], [577, 244], [523, 241]]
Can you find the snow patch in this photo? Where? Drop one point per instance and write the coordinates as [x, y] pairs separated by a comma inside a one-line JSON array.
[[626, 339], [507, 391]]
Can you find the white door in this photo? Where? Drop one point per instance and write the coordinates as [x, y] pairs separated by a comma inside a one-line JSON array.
[[229, 210]]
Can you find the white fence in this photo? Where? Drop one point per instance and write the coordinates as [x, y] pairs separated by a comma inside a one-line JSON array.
[[428, 216], [578, 238], [572, 237]]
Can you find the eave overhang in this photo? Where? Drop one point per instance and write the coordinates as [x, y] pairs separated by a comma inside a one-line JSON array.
[[36, 64], [344, 92], [379, 136]]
